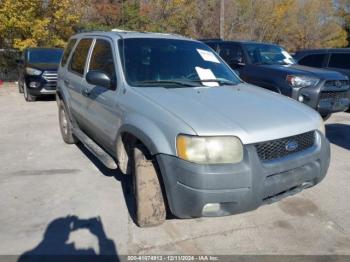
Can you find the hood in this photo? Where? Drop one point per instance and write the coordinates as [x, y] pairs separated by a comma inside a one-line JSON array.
[[43, 67], [307, 71], [248, 112]]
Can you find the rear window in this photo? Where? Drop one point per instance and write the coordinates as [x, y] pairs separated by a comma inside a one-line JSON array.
[[340, 61], [67, 51], [78, 61], [44, 56], [315, 60]]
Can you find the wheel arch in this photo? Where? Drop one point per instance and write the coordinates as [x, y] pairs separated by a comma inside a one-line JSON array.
[[153, 139]]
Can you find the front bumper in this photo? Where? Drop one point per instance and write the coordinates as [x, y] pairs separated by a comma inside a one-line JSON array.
[[45, 86], [237, 188], [313, 97]]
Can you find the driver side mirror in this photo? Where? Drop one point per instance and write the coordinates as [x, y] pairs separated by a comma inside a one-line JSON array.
[[99, 78]]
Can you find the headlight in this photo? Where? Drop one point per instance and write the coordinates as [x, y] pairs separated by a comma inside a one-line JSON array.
[[209, 150], [33, 71], [302, 81], [322, 128]]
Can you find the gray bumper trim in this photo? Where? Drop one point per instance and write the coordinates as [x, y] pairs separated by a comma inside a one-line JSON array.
[[240, 187]]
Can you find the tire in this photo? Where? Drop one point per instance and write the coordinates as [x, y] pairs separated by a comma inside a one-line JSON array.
[[65, 125], [20, 88], [28, 97], [150, 205], [326, 117]]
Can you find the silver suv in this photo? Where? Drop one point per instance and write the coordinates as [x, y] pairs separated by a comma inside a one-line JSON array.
[[196, 139]]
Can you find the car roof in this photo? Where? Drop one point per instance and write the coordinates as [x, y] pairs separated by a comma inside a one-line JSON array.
[[42, 48], [324, 50], [131, 34], [237, 42]]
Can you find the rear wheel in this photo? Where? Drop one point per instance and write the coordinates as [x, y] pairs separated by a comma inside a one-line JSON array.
[[65, 125], [20, 87], [150, 205], [28, 97]]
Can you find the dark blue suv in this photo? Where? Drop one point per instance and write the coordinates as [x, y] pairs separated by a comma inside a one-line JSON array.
[[38, 72], [271, 67]]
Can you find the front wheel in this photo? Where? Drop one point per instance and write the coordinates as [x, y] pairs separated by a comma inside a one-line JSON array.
[[150, 205], [28, 97]]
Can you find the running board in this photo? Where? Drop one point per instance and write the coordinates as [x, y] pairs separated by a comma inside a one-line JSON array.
[[95, 149]]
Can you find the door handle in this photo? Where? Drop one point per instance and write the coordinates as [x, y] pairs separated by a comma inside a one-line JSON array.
[[85, 92]]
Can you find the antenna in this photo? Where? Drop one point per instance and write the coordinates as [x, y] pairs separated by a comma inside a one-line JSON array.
[[123, 15]]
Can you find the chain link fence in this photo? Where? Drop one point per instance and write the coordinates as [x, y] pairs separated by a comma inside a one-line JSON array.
[[8, 64]]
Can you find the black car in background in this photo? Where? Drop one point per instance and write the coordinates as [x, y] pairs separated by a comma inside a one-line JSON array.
[[38, 72], [271, 67], [337, 59]]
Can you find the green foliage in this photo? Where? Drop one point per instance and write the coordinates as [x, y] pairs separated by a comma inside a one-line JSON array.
[[292, 23], [31, 23]]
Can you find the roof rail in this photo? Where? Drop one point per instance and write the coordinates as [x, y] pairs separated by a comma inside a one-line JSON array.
[[121, 30]]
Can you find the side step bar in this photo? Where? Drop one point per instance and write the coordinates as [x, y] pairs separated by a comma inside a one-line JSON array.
[[95, 149]]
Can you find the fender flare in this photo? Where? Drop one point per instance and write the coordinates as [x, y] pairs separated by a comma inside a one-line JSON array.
[[150, 135]]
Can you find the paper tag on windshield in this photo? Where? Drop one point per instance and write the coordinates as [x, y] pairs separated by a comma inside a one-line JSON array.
[[208, 56], [288, 59], [206, 74]]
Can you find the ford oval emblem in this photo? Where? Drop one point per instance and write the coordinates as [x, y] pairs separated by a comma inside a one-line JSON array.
[[291, 145]]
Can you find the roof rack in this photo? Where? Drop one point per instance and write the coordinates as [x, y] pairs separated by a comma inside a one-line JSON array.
[[121, 30]]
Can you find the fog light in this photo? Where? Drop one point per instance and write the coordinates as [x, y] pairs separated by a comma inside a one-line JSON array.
[[301, 98], [34, 84], [211, 209]]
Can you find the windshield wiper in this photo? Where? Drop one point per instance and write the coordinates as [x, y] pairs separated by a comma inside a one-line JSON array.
[[218, 80], [167, 82]]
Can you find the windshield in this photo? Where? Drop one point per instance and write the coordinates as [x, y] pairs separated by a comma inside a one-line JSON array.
[[269, 55], [150, 61], [45, 56]]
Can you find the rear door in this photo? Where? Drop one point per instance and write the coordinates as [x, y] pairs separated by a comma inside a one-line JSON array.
[[101, 107], [75, 80], [314, 60], [340, 62]]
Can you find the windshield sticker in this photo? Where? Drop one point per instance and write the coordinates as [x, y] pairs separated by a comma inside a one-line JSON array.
[[288, 58], [206, 74], [208, 56]]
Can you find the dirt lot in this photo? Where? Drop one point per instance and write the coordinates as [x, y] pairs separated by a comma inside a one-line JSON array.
[[57, 198]]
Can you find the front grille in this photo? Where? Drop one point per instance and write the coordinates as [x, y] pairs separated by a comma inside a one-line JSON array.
[[333, 95], [51, 78], [275, 149], [336, 83]]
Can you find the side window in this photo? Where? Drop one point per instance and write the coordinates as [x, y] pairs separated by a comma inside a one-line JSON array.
[[77, 63], [315, 60], [102, 58], [67, 51], [340, 61], [232, 54], [212, 46]]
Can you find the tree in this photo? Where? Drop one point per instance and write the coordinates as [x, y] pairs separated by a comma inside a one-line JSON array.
[[31, 23]]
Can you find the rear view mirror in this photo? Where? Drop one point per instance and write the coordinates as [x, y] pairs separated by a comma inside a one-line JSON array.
[[99, 78]]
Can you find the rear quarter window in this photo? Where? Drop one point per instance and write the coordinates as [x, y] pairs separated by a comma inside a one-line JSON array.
[[340, 60], [78, 61], [314, 60], [67, 51]]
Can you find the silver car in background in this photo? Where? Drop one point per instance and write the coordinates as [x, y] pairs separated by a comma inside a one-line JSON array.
[[196, 140]]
